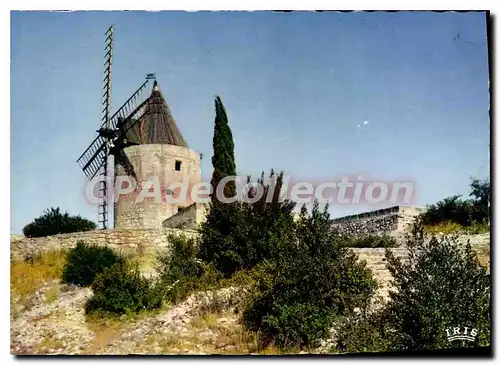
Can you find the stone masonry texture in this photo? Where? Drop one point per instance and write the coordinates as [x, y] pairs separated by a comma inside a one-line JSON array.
[[151, 161], [392, 221]]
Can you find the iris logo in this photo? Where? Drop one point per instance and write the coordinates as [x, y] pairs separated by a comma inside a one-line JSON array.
[[461, 333]]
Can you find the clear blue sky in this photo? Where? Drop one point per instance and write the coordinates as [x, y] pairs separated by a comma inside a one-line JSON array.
[[295, 86]]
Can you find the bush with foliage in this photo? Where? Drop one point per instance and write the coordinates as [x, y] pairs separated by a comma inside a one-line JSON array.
[[363, 332], [121, 289], [181, 271], [85, 262], [52, 221], [461, 211], [370, 241], [180, 260], [236, 236], [441, 285], [453, 209], [315, 279]]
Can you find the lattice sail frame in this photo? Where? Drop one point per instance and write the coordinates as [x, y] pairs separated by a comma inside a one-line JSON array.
[[95, 159], [103, 208], [130, 111]]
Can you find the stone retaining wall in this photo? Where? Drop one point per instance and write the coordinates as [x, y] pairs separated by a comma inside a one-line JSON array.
[[392, 221], [114, 238], [157, 239]]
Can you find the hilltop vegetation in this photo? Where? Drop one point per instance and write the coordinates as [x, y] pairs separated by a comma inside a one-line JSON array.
[[52, 221], [456, 214]]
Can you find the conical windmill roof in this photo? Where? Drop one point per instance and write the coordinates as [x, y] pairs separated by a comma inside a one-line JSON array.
[[156, 126]]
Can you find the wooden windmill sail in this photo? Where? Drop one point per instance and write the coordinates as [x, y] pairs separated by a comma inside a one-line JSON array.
[[112, 135]]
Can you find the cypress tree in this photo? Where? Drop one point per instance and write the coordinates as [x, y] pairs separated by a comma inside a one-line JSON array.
[[223, 144]]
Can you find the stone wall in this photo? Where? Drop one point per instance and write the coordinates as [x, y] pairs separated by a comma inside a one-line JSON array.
[[157, 239], [115, 238], [188, 218], [393, 221]]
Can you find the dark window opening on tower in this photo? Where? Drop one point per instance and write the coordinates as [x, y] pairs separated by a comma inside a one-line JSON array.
[[178, 165]]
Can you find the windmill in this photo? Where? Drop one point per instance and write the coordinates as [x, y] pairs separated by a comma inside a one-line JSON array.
[[112, 135]]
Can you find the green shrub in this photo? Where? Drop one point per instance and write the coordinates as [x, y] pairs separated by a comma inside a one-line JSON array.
[[180, 261], [312, 281], [441, 285], [300, 273], [182, 272], [462, 211], [294, 324], [85, 262], [371, 241], [52, 221], [121, 289], [182, 288], [453, 209], [362, 333]]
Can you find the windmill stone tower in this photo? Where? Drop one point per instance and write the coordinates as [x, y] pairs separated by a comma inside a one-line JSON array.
[[157, 152]]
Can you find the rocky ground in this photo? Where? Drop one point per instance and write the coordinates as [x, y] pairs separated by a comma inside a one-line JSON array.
[[205, 323], [41, 325], [52, 321], [46, 325]]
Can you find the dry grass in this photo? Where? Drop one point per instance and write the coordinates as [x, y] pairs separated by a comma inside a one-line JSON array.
[[26, 277], [443, 228], [450, 228], [205, 320]]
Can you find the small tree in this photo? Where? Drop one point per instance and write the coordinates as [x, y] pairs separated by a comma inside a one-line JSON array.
[[480, 190], [441, 285], [52, 221]]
